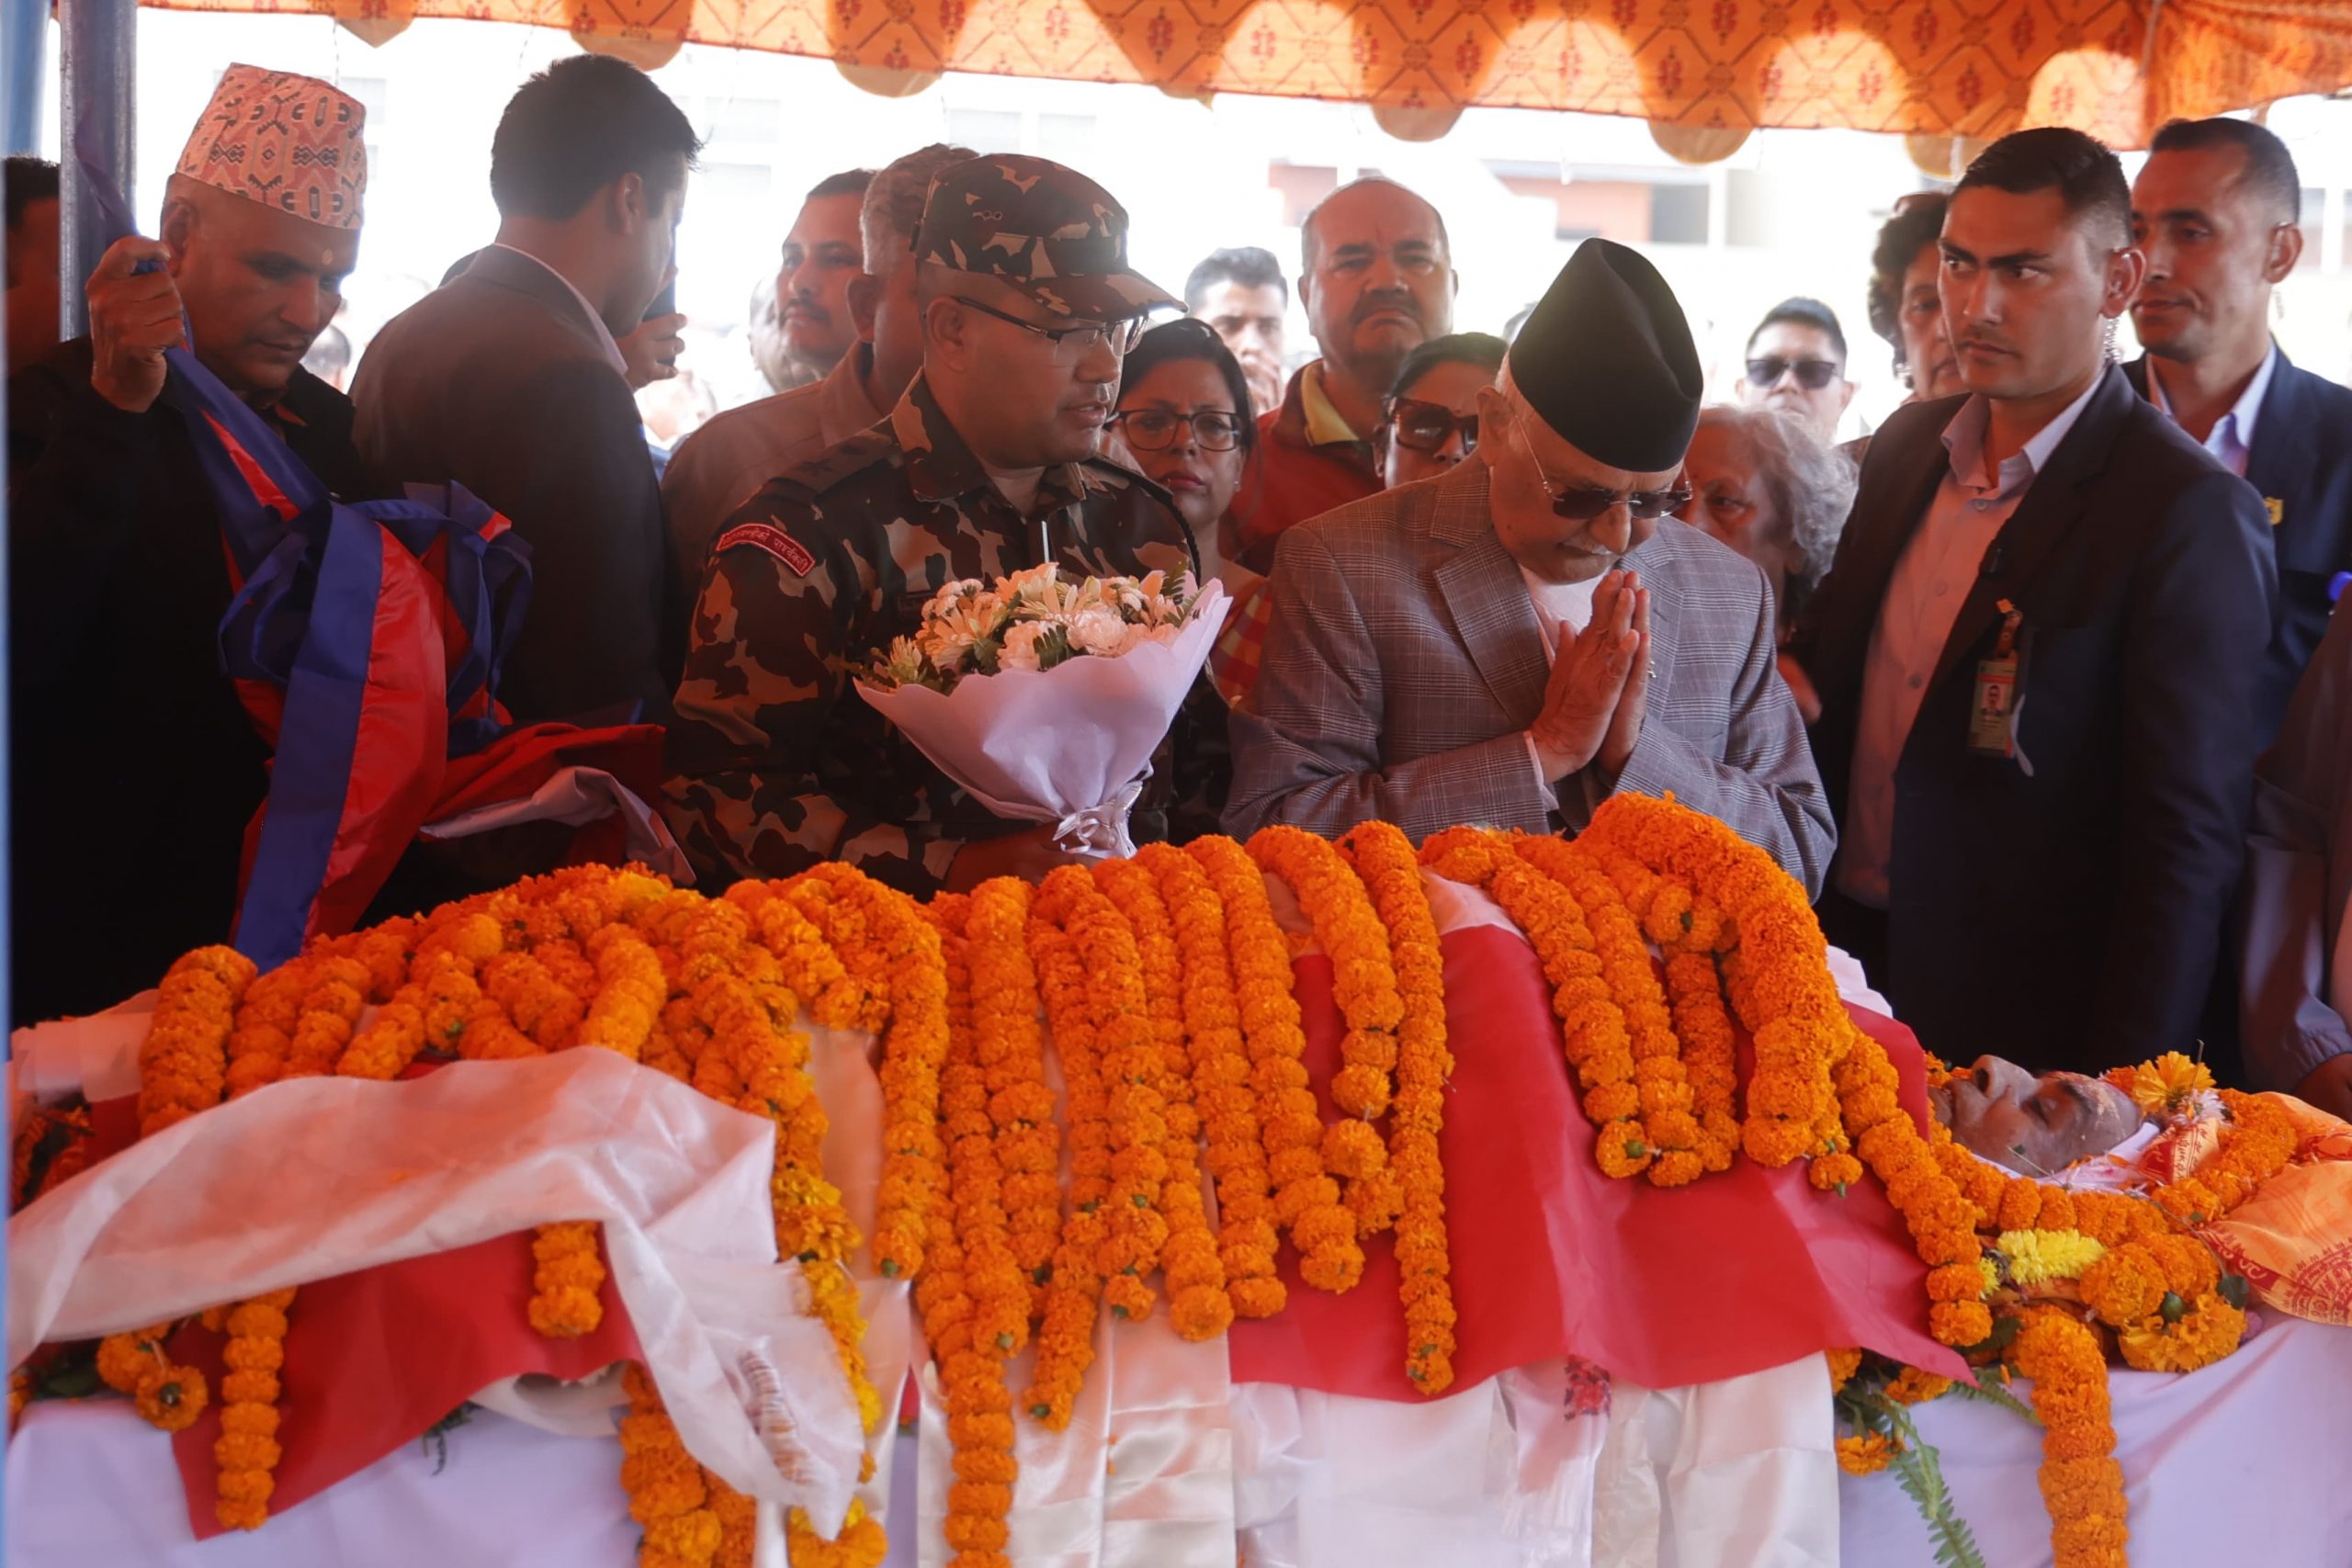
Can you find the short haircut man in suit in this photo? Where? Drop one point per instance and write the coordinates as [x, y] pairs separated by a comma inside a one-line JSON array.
[[2215, 210], [2037, 655], [1517, 640], [508, 379]]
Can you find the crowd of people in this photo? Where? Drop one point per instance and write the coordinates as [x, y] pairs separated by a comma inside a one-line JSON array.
[[2037, 689]]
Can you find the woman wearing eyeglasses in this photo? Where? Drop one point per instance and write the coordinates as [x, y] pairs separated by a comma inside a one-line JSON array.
[[1430, 421], [1184, 417]]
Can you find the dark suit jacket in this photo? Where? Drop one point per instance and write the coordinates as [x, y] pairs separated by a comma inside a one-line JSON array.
[[1404, 664], [136, 768], [498, 380], [2302, 460], [2299, 879], [2064, 910]]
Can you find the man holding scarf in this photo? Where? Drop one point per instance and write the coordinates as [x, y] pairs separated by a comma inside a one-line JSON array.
[[136, 768]]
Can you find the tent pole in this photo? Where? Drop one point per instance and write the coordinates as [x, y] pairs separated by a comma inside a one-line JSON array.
[[24, 43], [100, 65]]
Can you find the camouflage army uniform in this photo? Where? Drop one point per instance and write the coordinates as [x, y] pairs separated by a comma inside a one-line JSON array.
[[776, 763]]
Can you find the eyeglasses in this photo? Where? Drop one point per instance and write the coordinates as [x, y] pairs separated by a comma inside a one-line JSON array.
[[1812, 374], [1071, 345], [1426, 427], [1154, 430], [1585, 502]]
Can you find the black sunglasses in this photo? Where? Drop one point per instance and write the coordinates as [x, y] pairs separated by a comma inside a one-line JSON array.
[[1426, 427], [1812, 374], [1582, 503]]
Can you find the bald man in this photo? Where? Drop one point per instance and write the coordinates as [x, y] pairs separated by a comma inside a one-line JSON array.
[[118, 581], [1378, 282]]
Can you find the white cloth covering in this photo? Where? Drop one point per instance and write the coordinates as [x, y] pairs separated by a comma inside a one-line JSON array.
[[1735, 1474], [360, 1173]]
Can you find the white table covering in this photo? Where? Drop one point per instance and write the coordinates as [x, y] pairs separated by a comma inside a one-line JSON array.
[[2243, 1464]]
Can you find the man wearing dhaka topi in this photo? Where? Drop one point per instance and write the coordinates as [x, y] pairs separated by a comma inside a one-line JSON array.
[[1521, 637], [117, 577]]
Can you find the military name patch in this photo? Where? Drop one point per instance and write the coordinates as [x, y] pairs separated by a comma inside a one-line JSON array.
[[770, 538]]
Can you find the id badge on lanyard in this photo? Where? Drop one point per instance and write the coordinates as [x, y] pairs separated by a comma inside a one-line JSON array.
[[1992, 717]]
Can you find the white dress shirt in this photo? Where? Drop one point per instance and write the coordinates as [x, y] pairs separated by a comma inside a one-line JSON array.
[[1929, 584], [2232, 438]]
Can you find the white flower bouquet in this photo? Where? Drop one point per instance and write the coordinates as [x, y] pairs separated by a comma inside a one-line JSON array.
[[1043, 696]]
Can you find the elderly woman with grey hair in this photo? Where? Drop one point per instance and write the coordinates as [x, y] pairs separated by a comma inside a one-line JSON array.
[[1762, 484]]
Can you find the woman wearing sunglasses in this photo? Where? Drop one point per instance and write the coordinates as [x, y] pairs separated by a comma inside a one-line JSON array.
[[1185, 418], [1431, 421]]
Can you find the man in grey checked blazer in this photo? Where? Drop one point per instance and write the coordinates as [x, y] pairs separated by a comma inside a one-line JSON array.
[[1410, 671]]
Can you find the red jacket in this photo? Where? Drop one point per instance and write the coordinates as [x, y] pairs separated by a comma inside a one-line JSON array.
[[1290, 479]]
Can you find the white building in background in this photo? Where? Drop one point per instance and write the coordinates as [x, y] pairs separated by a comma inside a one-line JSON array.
[[1792, 212]]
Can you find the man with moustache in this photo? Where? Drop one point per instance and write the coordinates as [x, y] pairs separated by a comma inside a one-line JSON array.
[[2215, 211], [2037, 655], [720, 465], [1526, 635], [823, 256], [986, 467], [1378, 282], [118, 574]]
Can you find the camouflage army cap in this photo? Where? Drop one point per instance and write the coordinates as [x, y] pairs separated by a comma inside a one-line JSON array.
[[1048, 231]]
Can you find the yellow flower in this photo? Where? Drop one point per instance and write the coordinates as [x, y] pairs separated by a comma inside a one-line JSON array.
[[1865, 1455], [2168, 1083], [2038, 1257]]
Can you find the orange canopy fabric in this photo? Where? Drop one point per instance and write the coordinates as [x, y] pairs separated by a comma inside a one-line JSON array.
[[1964, 68]]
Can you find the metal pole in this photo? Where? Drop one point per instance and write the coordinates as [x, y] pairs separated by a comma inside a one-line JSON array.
[[23, 42], [100, 66]]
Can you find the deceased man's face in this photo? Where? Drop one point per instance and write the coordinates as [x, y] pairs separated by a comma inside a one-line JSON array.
[[2033, 1126]]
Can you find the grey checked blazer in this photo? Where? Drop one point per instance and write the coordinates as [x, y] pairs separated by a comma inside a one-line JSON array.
[[1403, 663]]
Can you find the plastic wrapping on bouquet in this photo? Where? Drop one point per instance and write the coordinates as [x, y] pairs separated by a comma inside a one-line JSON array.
[[1102, 830]]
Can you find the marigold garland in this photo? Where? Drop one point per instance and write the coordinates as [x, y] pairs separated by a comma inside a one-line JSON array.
[[2255, 1145], [183, 1063], [1306, 1198], [667, 1495], [1593, 1031], [264, 1033], [1779, 975], [972, 1293], [1168, 984], [1011, 1050], [1198, 1305], [248, 1451], [1384, 859], [564, 1304], [1669, 1124], [901, 949], [2081, 1482], [169, 1397], [1363, 985], [1073, 1290], [1246, 1239]]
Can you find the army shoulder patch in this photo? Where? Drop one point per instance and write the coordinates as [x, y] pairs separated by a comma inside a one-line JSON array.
[[770, 538]]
